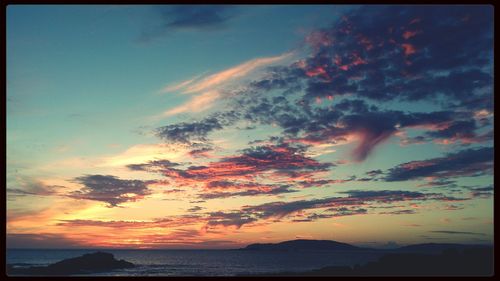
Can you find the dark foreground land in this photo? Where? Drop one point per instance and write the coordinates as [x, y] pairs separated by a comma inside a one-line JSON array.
[[89, 263], [414, 260], [452, 262]]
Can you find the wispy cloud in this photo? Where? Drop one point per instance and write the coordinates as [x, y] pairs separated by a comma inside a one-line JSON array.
[[195, 104], [470, 162], [28, 186], [233, 73], [178, 86], [335, 206], [209, 88], [40, 240], [174, 18], [456, 232]]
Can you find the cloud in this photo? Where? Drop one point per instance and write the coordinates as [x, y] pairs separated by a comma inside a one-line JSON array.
[[28, 186], [188, 17], [195, 16], [350, 120], [453, 207], [233, 73], [357, 121], [145, 152], [248, 190], [340, 93], [173, 221], [357, 202], [228, 219], [182, 231], [387, 196], [179, 86], [372, 175], [40, 240], [482, 192], [458, 129], [282, 158], [195, 104], [224, 185], [152, 166], [209, 86], [334, 212], [456, 232], [440, 182], [370, 133], [394, 59], [463, 131], [469, 162], [277, 162], [110, 189], [195, 209], [201, 152], [195, 132], [416, 60], [309, 182], [399, 212], [334, 206]]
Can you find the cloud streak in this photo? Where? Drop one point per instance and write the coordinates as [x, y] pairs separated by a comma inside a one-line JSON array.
[[233, 73], [456, 232], [198, 103], [469, 162], [335, 206], [210, 87]]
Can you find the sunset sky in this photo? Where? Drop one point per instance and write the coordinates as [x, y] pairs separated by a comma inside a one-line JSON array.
[[220, 126]]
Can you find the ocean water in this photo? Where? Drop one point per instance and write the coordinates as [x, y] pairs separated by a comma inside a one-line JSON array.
[[201, 262]]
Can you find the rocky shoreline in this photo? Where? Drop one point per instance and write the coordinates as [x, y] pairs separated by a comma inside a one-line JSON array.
[[467, 262], [88, 263]]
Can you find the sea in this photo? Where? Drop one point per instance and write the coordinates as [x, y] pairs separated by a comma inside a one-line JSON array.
[[200, 262]]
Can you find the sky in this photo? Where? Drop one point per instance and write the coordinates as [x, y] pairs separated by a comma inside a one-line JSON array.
[[213, 126]]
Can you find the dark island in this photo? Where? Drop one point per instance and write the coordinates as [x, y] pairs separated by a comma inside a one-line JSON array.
[[432, 259], [304, 245], [88, 263]]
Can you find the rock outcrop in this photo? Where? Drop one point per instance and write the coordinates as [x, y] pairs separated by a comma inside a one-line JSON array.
[[88, 263]]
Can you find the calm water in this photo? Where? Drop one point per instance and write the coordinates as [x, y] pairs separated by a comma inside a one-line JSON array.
[[201, 262]]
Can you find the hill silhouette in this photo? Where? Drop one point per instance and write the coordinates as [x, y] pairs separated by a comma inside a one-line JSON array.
[[303, 245], [330, 245], [88, 263]]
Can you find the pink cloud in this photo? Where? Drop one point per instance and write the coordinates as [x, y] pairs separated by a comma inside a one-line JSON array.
[[410, 33], [409, 49]]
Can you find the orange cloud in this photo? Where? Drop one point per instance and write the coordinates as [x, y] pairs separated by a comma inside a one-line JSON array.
[[209, 85], [195, 104], [409, 49], [233, 73], [409, 34], [178, 86]]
